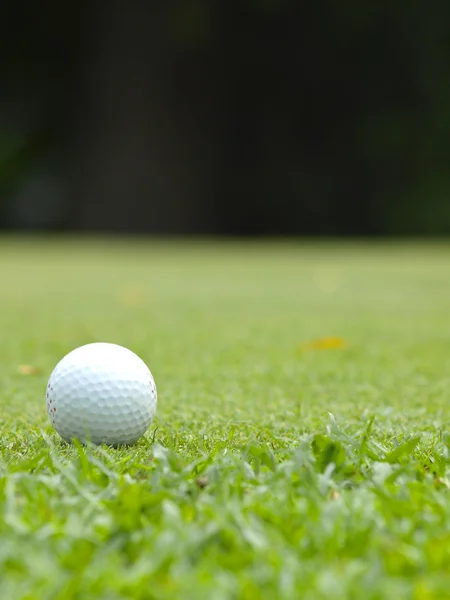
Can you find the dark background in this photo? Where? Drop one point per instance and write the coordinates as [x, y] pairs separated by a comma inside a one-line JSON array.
[[250, 117]]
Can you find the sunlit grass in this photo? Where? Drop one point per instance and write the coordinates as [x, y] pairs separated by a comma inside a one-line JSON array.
[[300, 448]]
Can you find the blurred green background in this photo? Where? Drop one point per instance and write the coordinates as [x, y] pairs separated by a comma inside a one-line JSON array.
[[274, 117]]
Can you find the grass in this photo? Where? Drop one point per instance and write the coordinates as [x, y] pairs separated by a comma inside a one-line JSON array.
[[301, 445]]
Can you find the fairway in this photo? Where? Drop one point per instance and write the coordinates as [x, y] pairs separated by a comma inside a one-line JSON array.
[[300, 448]]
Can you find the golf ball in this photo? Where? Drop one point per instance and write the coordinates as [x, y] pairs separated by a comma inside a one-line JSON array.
[[102, 393]]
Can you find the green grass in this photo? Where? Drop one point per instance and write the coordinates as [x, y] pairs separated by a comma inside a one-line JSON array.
[[276, 468]]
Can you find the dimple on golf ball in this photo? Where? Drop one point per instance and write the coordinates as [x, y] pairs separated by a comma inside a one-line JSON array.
[[102, 393]]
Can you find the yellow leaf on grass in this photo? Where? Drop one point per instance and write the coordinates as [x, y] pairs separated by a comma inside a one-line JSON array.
[[326, 343], [132, 295], [28, 370]]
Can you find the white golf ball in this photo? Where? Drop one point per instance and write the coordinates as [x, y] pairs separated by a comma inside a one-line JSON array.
[[102, 393]]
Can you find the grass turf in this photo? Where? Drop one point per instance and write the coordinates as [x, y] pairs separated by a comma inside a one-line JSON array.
[[300, 448]]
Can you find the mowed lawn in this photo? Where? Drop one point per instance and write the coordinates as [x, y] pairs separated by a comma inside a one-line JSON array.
[[301, 447]]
